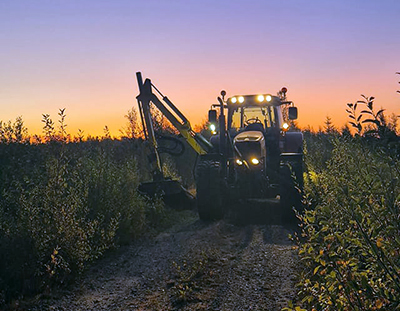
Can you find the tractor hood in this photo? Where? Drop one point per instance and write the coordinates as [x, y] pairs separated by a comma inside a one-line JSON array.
[[251, 144], [249, 136]]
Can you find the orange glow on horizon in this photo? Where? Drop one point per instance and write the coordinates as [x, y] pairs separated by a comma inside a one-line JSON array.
[[83, 55], [313, 111]]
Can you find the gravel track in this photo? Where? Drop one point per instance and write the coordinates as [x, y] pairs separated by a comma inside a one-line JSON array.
[[192, 266]]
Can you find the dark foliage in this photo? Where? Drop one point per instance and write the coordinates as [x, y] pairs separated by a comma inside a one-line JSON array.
[[349, 243], [64, 202]]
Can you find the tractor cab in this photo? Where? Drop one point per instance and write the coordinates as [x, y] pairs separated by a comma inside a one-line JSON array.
[[252, 120], [253, 113]]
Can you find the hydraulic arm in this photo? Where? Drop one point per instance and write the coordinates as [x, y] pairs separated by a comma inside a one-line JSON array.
[[199, 144], [169, 110]]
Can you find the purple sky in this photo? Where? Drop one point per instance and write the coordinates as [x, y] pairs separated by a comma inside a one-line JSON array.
[[83, 55]]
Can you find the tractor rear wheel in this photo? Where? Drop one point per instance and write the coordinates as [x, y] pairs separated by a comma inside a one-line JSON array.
[[209, 190], [291, 184]]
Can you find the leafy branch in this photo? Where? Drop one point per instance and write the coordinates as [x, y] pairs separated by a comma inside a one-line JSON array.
[[376, 123]]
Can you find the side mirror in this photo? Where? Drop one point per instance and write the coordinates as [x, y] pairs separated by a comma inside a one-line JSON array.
[[212, 116], [292, 113]]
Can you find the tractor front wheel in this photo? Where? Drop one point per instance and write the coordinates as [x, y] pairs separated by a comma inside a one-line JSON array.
[[209, 190]]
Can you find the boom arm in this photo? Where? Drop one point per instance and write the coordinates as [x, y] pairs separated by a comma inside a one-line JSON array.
[[172, 113]]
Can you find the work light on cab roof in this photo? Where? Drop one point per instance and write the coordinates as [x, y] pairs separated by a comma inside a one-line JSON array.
[[262, 98], [249, 99]]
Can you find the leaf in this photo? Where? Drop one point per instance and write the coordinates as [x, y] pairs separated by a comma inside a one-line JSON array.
[[379, 112], [352, 117], [359, 118], [353, 124], [379, 304], [349, 111], [366, 111], [364, 281], [316, 269], [371, 121], [350, 105], [355, 106], [379, 242], [370, 105]]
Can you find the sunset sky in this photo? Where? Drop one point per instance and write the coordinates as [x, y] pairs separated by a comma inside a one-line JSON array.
[[83, 55]]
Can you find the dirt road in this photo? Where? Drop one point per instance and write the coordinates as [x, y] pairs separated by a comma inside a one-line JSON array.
[[192, 266]]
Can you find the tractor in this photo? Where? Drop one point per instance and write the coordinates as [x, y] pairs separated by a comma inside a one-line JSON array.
[[250, 158]]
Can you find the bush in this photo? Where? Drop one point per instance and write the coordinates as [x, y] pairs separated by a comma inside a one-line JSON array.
[[62, 205], [350, 242]]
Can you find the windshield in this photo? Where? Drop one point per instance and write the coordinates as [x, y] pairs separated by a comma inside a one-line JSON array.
[[244, 116]]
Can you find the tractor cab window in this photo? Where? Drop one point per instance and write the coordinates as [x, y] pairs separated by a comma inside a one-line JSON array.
[[244, 116]]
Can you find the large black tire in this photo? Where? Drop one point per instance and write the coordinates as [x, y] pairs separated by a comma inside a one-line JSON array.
[[291, 188], [209, 190]]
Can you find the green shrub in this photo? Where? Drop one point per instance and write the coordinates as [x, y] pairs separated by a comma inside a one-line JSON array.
[[64, 202], [62, 205], [350, 242]]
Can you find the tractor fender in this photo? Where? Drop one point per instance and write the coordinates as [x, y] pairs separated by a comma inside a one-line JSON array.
[[293, 142], [214, 140]]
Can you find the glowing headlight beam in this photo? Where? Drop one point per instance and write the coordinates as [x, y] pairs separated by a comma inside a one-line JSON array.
[[241, 99], [260, 98], [268, 98], [255, 161], [233, 100]]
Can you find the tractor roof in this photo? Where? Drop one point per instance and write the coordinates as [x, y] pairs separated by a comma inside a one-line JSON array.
[[253, 100]]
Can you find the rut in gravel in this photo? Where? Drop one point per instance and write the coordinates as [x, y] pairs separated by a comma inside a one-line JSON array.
[[195, 266]]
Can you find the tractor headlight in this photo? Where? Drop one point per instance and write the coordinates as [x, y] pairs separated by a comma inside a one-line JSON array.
[[255, 161], [213, 127], [241, 99], [260, 98], [268, 98], [239, 162], [233, 100], [285, 126]]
